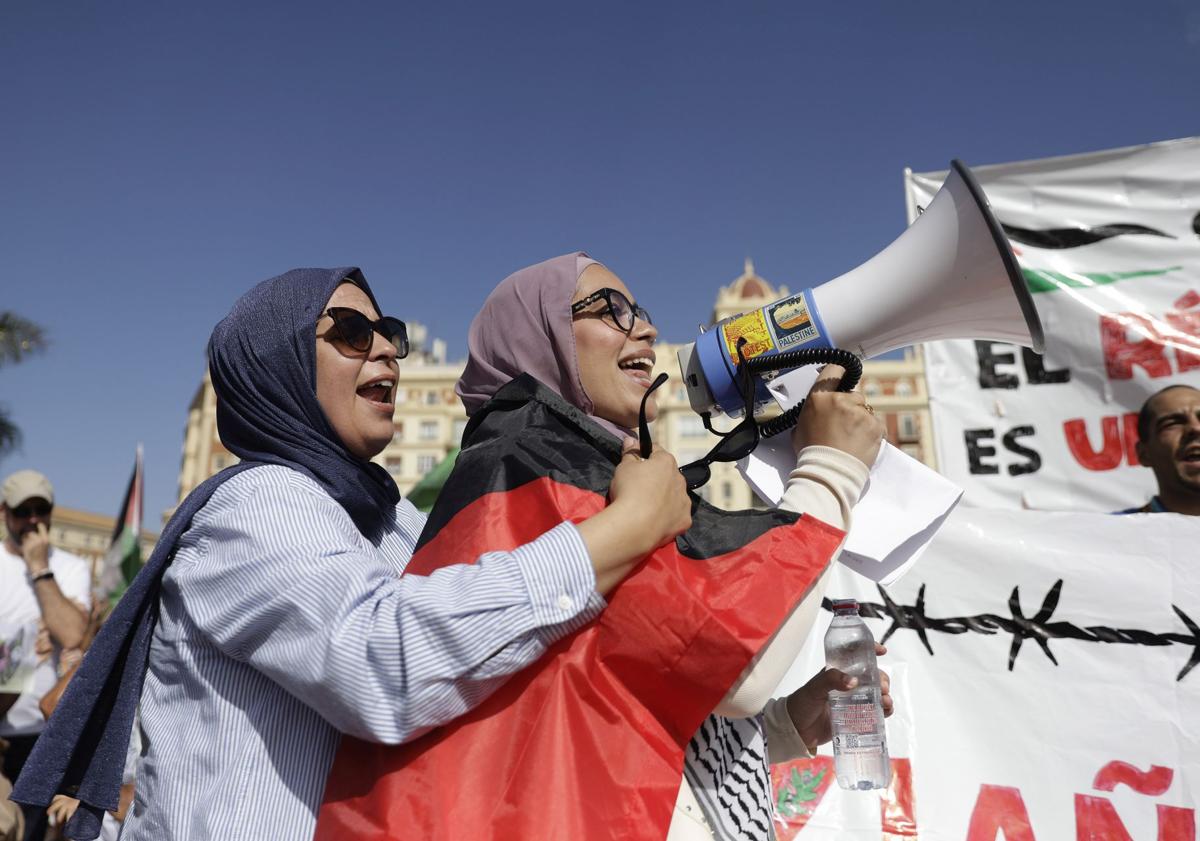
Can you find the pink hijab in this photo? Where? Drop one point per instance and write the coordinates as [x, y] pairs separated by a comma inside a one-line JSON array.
[[525, 327]]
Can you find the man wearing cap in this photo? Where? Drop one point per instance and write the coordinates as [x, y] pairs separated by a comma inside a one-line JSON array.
[[40, 587]]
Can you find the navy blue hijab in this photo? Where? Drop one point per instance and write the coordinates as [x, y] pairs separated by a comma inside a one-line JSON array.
[[262, 360]]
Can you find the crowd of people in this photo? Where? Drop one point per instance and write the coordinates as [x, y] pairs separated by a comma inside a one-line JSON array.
[[302, 634]]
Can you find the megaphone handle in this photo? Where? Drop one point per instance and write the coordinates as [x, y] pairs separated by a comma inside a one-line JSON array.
[[795, 359]]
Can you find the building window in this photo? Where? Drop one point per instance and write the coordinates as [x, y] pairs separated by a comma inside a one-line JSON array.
[[395, 465], [425, 463], [429, 430], [459, 426], [398, 431], [727, 492], [401, 396], [690, 426], [871, 387], [904, 387], [432, 398], [908, 426], [913, 450]]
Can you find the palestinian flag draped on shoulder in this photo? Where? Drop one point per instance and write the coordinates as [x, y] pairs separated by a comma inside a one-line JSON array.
[[124, 556], [587, 743]]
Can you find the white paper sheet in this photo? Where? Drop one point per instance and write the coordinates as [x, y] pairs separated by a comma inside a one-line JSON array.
[[901, 509]]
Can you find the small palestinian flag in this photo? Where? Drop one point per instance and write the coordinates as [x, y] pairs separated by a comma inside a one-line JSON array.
[[587, 743], [124, 556]]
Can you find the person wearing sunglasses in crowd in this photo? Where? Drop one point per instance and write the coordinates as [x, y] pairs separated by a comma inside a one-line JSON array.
[[272, 617], [558, 373]]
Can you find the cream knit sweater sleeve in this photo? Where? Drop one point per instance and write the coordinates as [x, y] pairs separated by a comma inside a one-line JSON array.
[[824, 484]]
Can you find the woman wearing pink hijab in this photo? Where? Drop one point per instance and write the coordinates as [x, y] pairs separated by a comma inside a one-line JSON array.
[[654, 720]]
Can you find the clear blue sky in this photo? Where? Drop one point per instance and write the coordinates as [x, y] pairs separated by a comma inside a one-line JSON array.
[[157, 159]]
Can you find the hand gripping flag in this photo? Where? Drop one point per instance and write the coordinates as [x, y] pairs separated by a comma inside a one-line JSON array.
[[588, 742]]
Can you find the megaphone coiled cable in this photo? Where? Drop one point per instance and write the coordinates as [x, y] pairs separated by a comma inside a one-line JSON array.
[[796, 359]]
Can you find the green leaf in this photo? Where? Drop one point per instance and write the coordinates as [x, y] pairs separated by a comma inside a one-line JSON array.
[[809, 790], [10, 436], [19, 337]]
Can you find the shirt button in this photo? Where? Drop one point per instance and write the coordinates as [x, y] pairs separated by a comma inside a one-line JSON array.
[[565, 603]]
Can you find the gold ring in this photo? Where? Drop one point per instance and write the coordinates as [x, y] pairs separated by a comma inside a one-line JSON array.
[[869, 408]]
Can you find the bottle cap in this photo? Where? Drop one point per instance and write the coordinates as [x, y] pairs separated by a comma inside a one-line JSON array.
[[845, 604]]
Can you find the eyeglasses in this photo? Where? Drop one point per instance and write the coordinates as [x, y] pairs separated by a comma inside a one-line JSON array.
[[32, 509], [735, 444], [623, 312], [356, 330]]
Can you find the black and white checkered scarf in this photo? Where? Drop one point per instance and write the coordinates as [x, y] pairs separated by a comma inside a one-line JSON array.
[[727, 768]]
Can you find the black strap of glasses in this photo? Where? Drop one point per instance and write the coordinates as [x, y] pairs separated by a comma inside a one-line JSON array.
[[797, 359], [646, 446]]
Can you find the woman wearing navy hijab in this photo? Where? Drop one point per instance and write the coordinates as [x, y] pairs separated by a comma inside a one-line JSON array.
[[272, 617]]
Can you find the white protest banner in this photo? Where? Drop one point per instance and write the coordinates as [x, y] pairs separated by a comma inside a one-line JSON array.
[[1109, 244], [1046, 673]]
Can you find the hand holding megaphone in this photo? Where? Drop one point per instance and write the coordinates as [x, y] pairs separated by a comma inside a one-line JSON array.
[[838, 419]]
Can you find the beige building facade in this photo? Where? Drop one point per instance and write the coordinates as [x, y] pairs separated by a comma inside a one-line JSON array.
[[429, 418]]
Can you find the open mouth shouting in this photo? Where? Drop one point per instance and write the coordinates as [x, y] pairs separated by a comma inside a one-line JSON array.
[[637, 366], [379, 391], [1190, 454]]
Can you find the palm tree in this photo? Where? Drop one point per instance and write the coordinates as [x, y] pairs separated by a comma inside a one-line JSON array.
[[18, 338]]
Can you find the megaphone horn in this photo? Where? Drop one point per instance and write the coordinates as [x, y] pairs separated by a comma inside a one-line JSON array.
[[950, 275]]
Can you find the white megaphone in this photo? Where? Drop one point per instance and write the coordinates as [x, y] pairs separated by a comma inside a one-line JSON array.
[[950, 275]]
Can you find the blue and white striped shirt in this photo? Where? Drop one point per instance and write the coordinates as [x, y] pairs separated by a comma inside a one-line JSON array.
[[281, 627]]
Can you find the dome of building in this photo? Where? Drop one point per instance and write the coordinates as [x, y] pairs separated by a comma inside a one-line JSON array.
[[750, 286], [754, 287], [747, 292]]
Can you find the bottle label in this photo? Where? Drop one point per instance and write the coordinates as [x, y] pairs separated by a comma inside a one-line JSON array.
[[853, 743], [856, 724]]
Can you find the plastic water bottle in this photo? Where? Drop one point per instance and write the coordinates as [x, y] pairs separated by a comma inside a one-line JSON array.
[[859, 738]]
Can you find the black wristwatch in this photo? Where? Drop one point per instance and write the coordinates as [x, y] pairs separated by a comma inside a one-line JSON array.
[[43, 576]]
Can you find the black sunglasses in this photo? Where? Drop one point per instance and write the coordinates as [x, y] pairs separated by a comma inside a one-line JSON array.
[[735, 444], [356, 330], [32, 509], [623, 312]]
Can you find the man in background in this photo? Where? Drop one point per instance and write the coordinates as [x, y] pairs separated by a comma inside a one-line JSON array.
[[1169, 444], [42, 589]]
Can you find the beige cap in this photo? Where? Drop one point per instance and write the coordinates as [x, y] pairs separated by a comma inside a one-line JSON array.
[[27, 484]]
